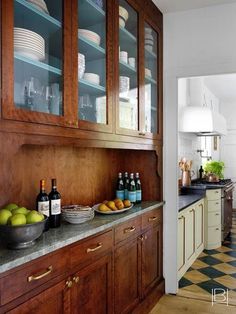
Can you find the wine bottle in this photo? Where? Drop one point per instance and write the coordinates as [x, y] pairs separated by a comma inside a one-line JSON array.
[[120, 193], [55, 206], [132, 189], [126, 185], [138, 188], [42, 203]]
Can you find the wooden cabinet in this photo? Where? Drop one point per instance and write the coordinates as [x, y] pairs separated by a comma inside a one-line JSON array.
[[190, 235], [92, 288], [54, 300], [60, 77], [138, 263], [101, 274]]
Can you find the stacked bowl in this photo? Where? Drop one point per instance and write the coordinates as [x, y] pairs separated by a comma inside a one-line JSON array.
[[77, 214], [123, 16], [92, 78], [81, 65], [149, 39], [91, 36], [124, 84], [29, 44]]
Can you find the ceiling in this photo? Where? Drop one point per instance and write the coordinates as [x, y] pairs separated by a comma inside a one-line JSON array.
[[222, 86], [167, 6]]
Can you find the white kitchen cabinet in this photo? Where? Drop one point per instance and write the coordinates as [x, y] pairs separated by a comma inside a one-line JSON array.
[[190, 235], [213, 219]]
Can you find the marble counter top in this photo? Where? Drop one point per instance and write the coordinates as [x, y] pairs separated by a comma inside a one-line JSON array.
[[189, 199], [55, 239]]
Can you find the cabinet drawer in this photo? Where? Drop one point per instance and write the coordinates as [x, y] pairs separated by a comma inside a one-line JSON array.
[[32, 276], [91, 248], [214, 206], [214, 219], [152, 218], [128, 229], [213, 195], [214, 234]]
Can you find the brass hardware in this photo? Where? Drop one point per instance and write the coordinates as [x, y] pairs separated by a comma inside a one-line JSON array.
[[217, 203], [76, 279], [192, 210], [99, 245], [142, 133], [181, 217], [216, 192], [152, 218], [141, 238], [76, 124], [217, 214], [69, 122], [69, 283], [217, 229], [130, 229], [33, 277]]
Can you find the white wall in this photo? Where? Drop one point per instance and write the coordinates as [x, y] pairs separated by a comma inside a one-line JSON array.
[[228, 142], [196, 43]]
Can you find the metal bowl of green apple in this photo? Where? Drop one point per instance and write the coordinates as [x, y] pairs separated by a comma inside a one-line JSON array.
[[20, 227]]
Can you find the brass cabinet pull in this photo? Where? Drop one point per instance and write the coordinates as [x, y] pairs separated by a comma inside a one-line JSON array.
[[142, 133], [217, 203], [143, 237], [217, 229], [69, 283], [130, 229], [181, 217], [192, 210], [99, 245], [33, 277], [76, 279], [216, 192], [217, 214], [152, 218]]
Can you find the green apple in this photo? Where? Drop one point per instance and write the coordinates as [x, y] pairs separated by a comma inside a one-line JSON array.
[[17, 220], [11, 206], [33, 217], [20, 210], [4, 216]]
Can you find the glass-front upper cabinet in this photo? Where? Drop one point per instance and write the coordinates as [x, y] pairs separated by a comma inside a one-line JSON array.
[[128, 111], [94, 108], [151, 79], [36, 65]]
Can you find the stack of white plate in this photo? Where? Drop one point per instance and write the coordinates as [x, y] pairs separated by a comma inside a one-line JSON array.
[[40, 5], [92, 78], [149, 39], [123, 16], [92, 36], [148, 72], [29, 44], [77, 214], [124, 84], [81, 65]]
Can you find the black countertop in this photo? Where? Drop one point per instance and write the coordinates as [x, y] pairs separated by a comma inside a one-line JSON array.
[[186, 200]]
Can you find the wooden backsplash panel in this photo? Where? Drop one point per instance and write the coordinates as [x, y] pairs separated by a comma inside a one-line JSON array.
[[84, 175]]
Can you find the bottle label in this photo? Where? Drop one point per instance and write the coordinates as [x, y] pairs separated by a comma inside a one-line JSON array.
[[43, 208], [138, 195], [120, 194], [132, 196], [126, 194], [55, 207]]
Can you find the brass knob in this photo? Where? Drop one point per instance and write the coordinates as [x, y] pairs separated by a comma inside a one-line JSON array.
[[69, 122], [76, 279], [69, 283]]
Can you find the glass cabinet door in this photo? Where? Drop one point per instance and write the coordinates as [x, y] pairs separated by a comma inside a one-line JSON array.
[[92, 64], [38, 56], [128, 67], [151, 79]]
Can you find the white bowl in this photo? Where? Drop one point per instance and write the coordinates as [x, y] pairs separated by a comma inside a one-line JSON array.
[[148, 30], [123, 13], [148, 72], [124, 84], [92, 36], [92, 78]]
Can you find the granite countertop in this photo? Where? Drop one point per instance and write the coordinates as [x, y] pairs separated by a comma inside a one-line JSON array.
[[55, 239], [188, 199]]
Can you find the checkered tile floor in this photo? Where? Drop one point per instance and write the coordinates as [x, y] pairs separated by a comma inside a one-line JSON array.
[[214, 268]]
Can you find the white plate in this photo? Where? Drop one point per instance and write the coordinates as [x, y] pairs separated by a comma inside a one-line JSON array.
[[29, 38], [28, 42], [26, 45], [28, 53], [40, 4], [27, 33], [95, 207]]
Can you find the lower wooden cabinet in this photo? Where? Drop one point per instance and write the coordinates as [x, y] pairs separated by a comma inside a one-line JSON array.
[[55, 300], [91, 291], [103, 274]]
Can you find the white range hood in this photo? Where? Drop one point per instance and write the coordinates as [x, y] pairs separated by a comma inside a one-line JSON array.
[[202, 121]]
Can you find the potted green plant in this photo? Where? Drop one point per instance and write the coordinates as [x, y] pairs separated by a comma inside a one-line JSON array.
[[214, 170]]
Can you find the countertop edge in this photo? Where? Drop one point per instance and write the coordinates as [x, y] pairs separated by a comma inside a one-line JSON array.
[[191, 203], [32, 256]]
